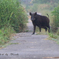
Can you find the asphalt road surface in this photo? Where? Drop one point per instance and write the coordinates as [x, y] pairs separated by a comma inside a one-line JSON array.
[[28, 46]]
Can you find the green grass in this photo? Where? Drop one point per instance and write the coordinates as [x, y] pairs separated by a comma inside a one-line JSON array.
[[54, 37], [13, 18], [5, 34]]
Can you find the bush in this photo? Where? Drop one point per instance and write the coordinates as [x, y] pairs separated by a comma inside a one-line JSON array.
[[5, 34], [11, 12], [55, 14], [53, 36]]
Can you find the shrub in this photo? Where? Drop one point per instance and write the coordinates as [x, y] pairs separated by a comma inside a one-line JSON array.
[[55, 23], [56, 16], [13, 13], [5, 34], [53, 36]]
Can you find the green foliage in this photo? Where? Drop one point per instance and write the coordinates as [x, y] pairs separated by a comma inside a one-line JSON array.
[[5, 34], [12, 18], [55, 23], [13, 13], [53, 36], [55, 13]]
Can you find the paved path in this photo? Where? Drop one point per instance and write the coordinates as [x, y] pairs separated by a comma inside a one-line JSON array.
[[27, 46]]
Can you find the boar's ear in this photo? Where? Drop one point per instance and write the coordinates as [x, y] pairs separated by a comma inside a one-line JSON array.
[[35, 13], [30, 13]]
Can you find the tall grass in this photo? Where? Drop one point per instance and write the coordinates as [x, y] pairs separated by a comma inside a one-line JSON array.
[[12, 12], [5, 34], [13, 18]]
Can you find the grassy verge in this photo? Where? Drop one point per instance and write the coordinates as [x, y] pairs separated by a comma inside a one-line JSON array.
[[54, 37], [5, 34], [13, 18]]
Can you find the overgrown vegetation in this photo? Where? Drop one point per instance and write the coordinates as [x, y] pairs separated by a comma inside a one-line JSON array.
[[5, 34], [55, 25], [55, 14], [13, 18], [13, 13]]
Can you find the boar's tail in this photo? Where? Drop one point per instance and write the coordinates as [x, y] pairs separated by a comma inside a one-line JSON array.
[[48, 15]]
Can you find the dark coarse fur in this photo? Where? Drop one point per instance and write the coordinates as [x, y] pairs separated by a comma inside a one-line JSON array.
[[40, 21]]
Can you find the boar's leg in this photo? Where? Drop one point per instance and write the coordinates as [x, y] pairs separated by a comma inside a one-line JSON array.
[[45, 28], [49, 29], [34, 29], [40, 29]]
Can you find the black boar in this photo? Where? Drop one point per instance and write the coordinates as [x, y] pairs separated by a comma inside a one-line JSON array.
[[40, 21]]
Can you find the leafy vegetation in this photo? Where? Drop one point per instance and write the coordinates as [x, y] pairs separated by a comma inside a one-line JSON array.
[[5, 34], [12, 13], [54, 37], [55, 24], [55, 13], [13, 18]]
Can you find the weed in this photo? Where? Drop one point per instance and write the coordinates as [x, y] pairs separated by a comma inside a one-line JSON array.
[[5, 34], [53, 36]]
